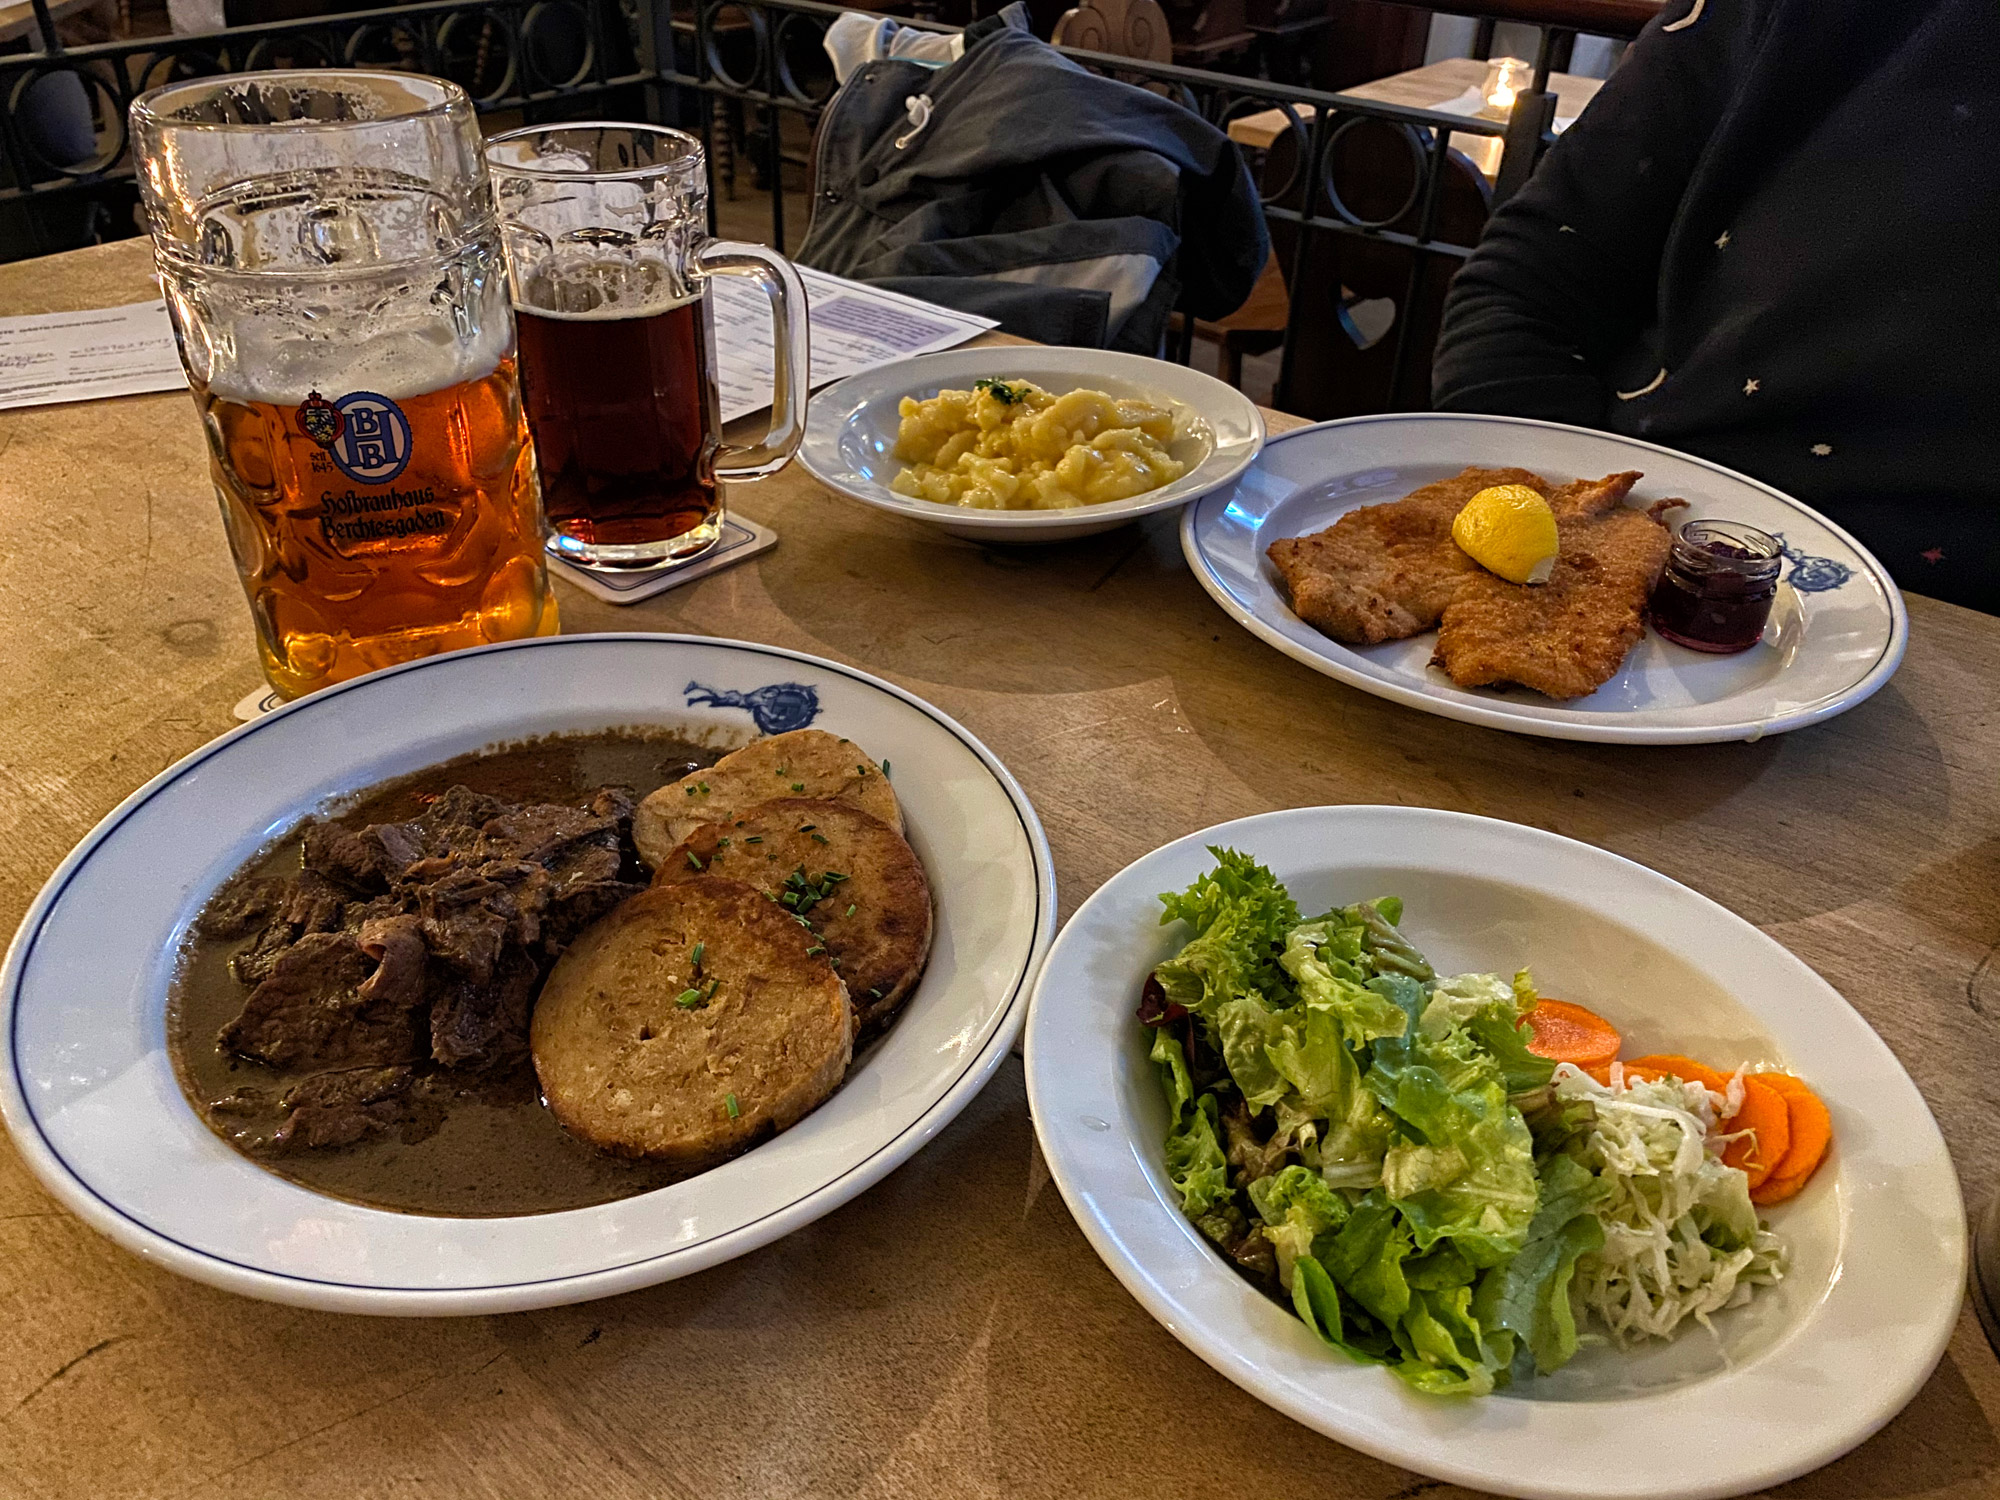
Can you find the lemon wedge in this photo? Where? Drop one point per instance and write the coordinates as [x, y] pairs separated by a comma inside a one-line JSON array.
[[1509, 529]]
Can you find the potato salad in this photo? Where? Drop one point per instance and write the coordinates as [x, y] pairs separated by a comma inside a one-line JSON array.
[[1010, 445]]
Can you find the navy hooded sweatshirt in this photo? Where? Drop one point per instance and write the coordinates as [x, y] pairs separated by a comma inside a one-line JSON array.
[[1774, 240]]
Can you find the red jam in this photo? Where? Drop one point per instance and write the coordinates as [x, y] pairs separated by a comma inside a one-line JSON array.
[[1716, 592]]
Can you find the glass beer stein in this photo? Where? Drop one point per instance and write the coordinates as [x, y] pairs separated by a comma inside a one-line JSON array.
[[606, 231], [328, 252]]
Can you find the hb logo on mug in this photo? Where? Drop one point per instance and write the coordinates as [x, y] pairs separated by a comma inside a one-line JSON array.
[[373, 444]]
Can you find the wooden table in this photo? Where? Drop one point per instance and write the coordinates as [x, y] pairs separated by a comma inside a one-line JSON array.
[[949, 1333], [1426, 88]]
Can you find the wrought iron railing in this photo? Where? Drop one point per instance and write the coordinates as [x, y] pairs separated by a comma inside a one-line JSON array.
[[675, 61]]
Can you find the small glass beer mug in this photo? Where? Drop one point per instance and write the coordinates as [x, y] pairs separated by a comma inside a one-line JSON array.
[[606, 232], [328, 252]]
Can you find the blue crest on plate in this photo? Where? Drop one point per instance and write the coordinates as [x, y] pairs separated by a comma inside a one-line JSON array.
[[777, 707], [1812, 575]]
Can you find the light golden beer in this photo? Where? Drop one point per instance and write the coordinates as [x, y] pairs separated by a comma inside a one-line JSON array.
[[372, 529], [329, 256]]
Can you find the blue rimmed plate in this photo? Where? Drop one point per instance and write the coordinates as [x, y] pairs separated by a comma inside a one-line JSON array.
[[1837, 632], [90, 1094]]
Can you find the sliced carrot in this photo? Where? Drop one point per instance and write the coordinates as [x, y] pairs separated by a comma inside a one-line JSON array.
[[1811, 1130], [1684, 1068], [1569, 1033], [1766, 1116]]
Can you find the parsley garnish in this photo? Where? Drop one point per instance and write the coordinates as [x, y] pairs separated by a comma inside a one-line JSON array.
[[999, 390]]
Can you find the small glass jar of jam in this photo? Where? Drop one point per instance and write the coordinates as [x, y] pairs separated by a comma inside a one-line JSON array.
[[1716, 592]]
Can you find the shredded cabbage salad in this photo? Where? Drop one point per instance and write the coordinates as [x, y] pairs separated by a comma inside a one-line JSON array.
[[1375, 1144]]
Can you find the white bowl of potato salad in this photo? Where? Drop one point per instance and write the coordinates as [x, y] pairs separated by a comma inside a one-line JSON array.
[[1029, 444]]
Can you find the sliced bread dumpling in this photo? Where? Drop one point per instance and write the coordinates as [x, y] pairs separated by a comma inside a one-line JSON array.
[[849, 876], [689, 1024], [802, 763]]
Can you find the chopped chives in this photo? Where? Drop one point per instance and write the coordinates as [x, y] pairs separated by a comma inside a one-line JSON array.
[[819, 838], [815, 948], [699, 949], [688, 999], [730, 1100], [692, 860], [850, 910], [798, 786], [807, 827], [885, 768], [755, 838]]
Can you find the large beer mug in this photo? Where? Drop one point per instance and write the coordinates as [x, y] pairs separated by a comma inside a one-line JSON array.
[[606, 231], [328, 251]]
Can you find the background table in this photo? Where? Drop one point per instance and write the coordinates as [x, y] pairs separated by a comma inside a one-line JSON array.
[[1426, 88], [948, 1333]]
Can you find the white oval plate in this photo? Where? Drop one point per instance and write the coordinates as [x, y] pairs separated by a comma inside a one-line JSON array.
[[1801, 1375], [851, 432], [1838, 629], [90, 1094]]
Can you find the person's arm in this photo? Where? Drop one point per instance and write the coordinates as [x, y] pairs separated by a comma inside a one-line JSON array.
[[1566, 275]]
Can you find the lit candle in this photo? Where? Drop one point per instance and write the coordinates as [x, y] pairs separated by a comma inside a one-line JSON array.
[[1505, 78]]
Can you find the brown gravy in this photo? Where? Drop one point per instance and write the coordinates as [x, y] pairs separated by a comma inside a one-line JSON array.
[[498, 1151]]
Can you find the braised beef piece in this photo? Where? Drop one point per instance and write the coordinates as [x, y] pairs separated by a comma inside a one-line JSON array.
[[451, 824], [549, 835], [340, 1108], [242, 907], [579, 904], [367, 859], [614, 802], [402, 949], [481, 1025], [317, 1010], [470, 914]]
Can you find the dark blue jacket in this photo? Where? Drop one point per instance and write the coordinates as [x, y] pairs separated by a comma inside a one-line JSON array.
[[1774, 240], [1060, 202]]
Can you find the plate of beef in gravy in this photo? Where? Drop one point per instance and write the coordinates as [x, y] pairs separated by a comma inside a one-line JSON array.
[[1547, 580], [524, 975]]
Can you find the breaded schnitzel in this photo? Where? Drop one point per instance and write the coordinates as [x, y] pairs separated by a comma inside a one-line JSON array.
[[1383, 572], [1568, 636]]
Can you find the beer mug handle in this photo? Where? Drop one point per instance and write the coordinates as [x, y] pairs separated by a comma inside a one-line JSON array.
[[790, 377]]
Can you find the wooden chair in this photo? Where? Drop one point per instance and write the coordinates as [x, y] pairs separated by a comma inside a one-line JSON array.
[[1124, 28]]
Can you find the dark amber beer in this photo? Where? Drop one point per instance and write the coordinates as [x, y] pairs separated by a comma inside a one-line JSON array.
[[624, 418], [606, 229]]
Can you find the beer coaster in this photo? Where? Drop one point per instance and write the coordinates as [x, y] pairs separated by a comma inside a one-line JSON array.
[[256, 705], [741, 539]]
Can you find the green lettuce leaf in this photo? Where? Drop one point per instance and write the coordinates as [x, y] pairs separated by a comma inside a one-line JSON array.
[[1446, 1352], [1297, 1208], [1463, 1168], [1329, 983], [1529, 1296], [1389, 950], [1366, 1259], [1194, 1160], [1245, 1029], [1238, 914]]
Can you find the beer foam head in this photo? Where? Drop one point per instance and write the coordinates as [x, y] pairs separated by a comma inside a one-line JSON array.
[[396, 336], [606, 287]]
